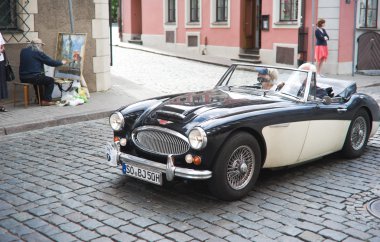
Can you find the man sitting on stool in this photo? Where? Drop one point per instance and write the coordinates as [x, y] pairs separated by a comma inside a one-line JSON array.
[[32, 60]]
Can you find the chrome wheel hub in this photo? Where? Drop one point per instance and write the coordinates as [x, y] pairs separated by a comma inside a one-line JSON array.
[[240, 167], [243, 168]]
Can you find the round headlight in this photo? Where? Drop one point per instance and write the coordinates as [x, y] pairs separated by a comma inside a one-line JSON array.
[[197, 138], [117, 121]]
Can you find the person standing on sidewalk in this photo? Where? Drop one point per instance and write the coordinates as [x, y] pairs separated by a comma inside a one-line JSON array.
[[32, 60], [321, 50], [3, 81]]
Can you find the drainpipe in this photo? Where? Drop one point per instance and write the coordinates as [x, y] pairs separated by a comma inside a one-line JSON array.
[[71, 16], [110, 24], [312, 30], [354, 40]]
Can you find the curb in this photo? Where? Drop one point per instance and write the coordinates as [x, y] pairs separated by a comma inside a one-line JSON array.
[[53, 122], [173, 55]]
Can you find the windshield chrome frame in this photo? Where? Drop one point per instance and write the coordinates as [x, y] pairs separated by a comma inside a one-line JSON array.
[[232, 68]]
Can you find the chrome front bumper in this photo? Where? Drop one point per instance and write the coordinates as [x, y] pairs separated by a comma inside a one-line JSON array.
[[169, 169]]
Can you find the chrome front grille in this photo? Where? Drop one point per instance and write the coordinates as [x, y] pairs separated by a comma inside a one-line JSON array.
[[159, 140]]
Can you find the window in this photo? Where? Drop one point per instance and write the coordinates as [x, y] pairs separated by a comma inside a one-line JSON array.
[[221, 10], [288, 10], [8, 16], [171, 11], [194, 10], [219, 13], [368, 13], [193, 13]]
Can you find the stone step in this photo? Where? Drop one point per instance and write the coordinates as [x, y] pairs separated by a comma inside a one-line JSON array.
[[252, 51], [247, 61], [249, 56], [135, 41]]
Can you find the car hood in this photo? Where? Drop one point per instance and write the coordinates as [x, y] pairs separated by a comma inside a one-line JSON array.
[[205, 105]]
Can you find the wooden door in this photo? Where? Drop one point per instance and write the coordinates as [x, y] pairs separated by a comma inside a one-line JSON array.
[[251, 29], [369, 51]]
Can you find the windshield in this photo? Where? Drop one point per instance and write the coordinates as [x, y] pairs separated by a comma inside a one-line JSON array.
[[287, 82]]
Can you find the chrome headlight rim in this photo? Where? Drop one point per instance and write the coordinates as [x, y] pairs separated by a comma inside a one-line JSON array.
[[121, 124], [203, 138]]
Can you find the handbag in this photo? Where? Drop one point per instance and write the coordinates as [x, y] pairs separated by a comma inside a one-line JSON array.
[[9, 74]]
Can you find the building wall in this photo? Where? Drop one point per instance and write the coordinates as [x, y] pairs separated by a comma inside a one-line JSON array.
[[339, 17], [278, 35], [221, 40], [330, 11], [132, 22], [346, 36], [152, 17], [50, 17]]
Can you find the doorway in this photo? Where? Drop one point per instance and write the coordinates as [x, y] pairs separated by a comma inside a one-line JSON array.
[[251, 29], [302, 37], [369, 51]]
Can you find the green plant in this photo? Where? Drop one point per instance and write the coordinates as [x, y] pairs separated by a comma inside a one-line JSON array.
[[114, 10]]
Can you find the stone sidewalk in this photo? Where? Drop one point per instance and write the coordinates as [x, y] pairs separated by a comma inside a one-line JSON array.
[[122, 92]]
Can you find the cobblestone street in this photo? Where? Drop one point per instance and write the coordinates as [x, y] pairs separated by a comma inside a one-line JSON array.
[[165, 74], [56, 186]]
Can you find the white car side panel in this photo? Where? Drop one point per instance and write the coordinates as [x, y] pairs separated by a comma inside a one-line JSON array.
[[375, 126], [284, 143], [324, 137]]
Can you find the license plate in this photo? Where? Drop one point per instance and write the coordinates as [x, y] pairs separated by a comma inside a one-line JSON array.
[[142, 173]]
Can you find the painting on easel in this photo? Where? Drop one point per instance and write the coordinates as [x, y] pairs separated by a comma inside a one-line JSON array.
[[70, 47]]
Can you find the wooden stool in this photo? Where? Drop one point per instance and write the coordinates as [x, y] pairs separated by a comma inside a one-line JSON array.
[[25, 87]]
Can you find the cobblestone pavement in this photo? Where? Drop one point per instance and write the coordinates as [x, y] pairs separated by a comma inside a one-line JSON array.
[[164, 74], [55, 185]]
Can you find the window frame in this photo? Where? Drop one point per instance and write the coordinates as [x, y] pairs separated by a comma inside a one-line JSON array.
[[276, 24], [366, 11], [224, 8], [195, 10], [11, 17], [292, 4], [171, 12], [188, 23]]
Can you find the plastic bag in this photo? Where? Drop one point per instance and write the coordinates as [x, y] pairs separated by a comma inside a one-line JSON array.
[[72, 97]]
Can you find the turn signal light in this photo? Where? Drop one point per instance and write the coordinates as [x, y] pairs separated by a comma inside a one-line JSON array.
[[197, 160]]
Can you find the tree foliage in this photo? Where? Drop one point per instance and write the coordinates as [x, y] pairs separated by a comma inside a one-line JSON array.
[[114, 9]]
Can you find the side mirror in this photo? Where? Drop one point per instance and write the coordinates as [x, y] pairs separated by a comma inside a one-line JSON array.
[[326, 100]]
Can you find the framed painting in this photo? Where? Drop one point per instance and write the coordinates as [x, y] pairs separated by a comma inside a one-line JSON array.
[[70, 47]]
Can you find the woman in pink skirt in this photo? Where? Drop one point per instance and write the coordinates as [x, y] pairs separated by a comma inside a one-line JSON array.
[[321, 50]]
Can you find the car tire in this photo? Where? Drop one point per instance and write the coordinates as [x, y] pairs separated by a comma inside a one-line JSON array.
[[357, 135], [232, 177]]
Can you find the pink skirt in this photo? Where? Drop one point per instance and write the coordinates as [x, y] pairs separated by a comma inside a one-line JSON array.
[[321, 53]]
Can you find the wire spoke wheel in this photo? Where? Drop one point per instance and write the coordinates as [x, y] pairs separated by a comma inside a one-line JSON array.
[[236, 168], [240, 167], [358, 133]]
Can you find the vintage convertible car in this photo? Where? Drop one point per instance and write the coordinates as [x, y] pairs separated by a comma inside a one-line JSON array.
[[226, 135]]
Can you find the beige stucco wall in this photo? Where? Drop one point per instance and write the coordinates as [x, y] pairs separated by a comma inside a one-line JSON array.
[[50, 17]]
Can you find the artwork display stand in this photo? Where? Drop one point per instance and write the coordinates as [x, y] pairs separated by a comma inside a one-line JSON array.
[[71, 47]]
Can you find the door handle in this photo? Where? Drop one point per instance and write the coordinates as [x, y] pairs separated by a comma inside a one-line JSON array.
[[342, 110], [279, 125]]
